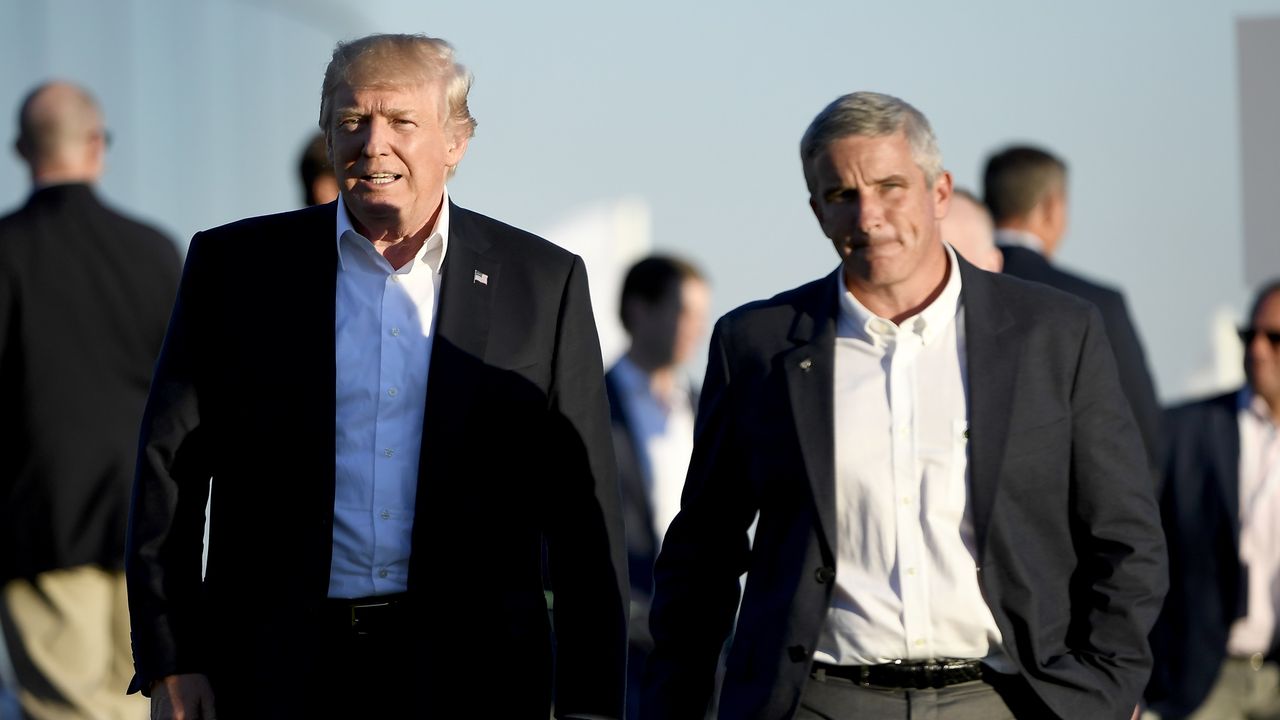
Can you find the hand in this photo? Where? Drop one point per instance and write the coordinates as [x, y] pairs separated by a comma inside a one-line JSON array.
[[182, 697]]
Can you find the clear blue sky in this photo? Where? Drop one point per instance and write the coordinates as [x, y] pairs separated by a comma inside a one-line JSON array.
[[697, 108]]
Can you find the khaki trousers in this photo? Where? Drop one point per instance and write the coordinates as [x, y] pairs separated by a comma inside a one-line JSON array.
[[67, 633]]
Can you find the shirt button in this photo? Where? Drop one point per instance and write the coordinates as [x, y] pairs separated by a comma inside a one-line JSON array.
[[385, 514], [919, 643], [393, 392], [388, 452], [911, 571], [383, 573], [906, 500], [395, 332]]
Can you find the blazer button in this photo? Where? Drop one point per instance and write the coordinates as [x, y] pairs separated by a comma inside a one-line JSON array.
[[798, 653], [824, 574]]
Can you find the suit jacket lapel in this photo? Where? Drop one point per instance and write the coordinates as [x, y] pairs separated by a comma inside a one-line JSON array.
[[992, 355], [810, 373], [469, 279]]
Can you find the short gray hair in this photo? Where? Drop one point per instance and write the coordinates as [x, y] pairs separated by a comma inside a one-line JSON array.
[[872, 114], [393, 60]]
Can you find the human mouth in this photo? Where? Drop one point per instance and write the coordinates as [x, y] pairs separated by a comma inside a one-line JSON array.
[[380, 178]]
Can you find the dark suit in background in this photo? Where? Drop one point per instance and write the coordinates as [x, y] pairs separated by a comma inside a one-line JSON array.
[[1131, 361], [84, 296], [1201, 510], [1216, 642], [515, 450]]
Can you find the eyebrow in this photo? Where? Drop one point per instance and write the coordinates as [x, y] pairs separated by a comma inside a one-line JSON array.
[[359, 112]]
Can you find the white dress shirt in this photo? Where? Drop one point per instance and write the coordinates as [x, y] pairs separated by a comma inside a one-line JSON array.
[[662, 429], [384, 325], [906, 583], [1019, 238], [1259, 526]]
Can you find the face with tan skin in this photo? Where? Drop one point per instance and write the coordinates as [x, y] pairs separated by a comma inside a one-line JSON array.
[[874, 203], [391, 153], [666, 333], [968, 228], [1262, 357]]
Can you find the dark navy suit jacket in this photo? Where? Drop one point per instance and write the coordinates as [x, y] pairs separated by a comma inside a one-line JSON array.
[[516, 454]]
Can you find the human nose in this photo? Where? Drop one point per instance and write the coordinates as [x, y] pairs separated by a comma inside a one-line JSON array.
[[376, 138], [870, 212]]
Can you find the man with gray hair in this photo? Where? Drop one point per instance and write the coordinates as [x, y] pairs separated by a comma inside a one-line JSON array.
[[404, 419], [955, 519]]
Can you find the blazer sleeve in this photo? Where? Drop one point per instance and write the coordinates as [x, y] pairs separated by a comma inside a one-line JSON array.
[[584, 534], [704, 553], [171, 486], [1121, 573]]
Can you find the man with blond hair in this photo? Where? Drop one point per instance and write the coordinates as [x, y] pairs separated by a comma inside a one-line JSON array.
[[397, 424], [85, 293], [955, 519]]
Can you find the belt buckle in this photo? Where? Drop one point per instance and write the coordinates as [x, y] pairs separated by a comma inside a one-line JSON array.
[[355, 616]]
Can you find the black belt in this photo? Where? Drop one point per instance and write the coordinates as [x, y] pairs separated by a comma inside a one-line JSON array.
[[906, 674], [361, 617]]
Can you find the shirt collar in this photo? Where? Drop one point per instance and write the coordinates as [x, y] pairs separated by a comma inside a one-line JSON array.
[[1252, 404], [928, 323], [431, 253], [1009, 237]]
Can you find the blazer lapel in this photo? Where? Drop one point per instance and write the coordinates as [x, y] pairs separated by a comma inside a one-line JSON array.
[[461, 331], [810, 371], [468, 279], [992, 355]]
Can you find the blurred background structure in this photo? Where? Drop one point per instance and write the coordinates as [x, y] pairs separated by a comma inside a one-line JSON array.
[[676, 125]]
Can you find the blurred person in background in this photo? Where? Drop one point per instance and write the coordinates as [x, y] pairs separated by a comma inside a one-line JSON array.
[[315, 170], [968, 228], [1216, 642], [1026, 190], [664, 307], [85, 294], [399, 412]]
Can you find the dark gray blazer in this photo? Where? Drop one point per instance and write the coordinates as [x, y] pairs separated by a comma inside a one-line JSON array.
[[515, 453], [1131, 360], [1072, 558]]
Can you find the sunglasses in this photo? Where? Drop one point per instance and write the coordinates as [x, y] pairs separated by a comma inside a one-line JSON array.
[[1248, 334]]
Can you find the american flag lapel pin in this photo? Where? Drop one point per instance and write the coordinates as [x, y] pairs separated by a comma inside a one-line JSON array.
[[480, 277]]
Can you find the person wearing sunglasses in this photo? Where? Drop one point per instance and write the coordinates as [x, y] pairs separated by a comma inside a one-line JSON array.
[[1215, 643]]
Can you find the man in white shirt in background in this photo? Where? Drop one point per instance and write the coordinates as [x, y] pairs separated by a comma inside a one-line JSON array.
[[955, 515], [664, 306], [1215, 644]]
